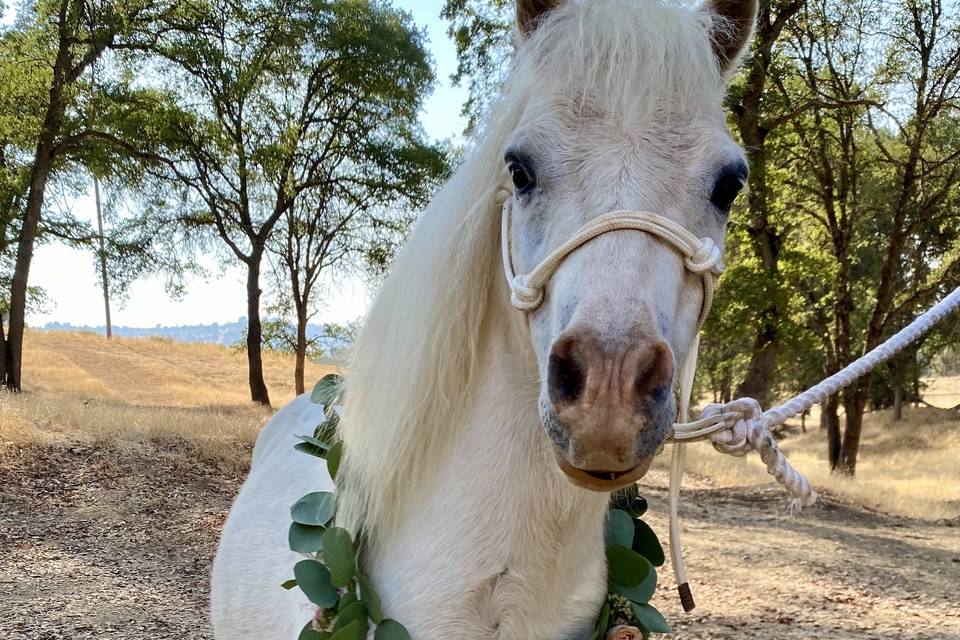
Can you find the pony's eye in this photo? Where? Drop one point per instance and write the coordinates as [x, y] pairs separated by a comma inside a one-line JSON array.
[[523, 178], [725, 189]]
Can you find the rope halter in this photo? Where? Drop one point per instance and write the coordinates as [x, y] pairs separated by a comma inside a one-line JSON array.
[[701, 256]]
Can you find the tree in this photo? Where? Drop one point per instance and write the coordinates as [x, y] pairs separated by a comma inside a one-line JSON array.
[[282, 102], [66, 37], [877, 173]]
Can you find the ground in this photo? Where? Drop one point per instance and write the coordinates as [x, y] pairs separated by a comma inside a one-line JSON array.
[[111, 503]]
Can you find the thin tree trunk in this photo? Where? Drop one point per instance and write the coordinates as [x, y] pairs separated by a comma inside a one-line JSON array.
[[103, 258], [830, 420], [897, 402], [258, 388], [300, 350]]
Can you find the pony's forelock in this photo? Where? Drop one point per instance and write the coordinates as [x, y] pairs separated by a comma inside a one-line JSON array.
[[414, 360]]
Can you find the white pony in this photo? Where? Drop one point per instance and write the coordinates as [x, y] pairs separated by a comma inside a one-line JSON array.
[[481, 442]]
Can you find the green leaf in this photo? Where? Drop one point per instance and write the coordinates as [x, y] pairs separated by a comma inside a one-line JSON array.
[[308, 633], [650, 619], [391, 630], [311, 450], [353, 612], [600, 632], [305, 538], [346, 600], [353, 631], [618, 528], [371, 598], [639, 593], [327, 391], [289, 584], [316, 442], [646, 543], [625, 566], [333, 459], [314, 509], [314, 580], [338, 552]]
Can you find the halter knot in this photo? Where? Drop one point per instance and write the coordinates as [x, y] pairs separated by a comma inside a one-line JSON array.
[[708, 258], [742, 426], [523, 296]]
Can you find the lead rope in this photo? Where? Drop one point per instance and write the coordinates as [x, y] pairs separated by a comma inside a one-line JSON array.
[[737, 427]]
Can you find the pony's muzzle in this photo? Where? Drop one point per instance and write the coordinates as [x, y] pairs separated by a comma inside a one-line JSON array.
[[612, 402]]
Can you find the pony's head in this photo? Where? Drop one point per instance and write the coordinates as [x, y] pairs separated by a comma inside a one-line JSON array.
[[622, 111], [610, 104]]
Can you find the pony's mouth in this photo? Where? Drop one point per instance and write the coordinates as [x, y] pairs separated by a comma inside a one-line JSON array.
[[603, 481]]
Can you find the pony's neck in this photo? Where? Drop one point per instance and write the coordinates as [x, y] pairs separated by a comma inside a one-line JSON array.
[[499, 543]]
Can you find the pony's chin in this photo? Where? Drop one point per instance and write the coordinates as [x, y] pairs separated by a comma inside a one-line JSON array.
[[605, 482]]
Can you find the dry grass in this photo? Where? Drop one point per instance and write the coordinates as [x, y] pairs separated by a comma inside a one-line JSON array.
[[910, 468], [136, 394]]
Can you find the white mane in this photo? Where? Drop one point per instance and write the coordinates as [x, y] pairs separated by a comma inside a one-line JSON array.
[[417, 354]]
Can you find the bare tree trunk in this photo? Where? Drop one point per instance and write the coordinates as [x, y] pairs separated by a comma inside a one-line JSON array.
[[258, 388], [28, 234], [830, 420], [300, 350], [103, 258], [897, 402], [854, 403]]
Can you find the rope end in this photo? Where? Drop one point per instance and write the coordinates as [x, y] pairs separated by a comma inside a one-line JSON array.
[[686, 597]]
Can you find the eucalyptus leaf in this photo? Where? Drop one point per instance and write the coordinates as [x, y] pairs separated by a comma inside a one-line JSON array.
[[314, 509], [339, 556], [318, 443], [370, 598], [328, 390], [601, 630], [314, 580], [346, 600], [650, 619], [353, 631], [309, 449], [353, 612], [646, 543], [618, 528], [304, 538], [625, 566], [391, 630], [639, 593], [333, 459], [308, 633]]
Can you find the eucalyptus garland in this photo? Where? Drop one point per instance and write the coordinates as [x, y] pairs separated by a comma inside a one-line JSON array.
[[332, 578]]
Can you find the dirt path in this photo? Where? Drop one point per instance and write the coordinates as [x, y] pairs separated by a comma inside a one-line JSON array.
[[93, 545]]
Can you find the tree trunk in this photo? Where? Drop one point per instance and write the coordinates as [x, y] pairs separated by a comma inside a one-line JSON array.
[[854, 403], [300, 350], [28, 233], [830, 420], [103, 259], [258, 388], [897, 402]]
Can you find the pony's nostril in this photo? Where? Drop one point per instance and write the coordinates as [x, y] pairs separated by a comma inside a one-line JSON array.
[[654, 374], [566, 377]]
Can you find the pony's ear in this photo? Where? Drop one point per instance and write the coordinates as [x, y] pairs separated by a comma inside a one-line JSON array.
[[530, 12], [733, 22]]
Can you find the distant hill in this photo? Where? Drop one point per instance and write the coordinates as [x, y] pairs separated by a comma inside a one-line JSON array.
[[224, 334]]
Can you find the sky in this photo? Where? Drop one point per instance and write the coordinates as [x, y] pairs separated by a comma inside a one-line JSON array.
[[69, 278]]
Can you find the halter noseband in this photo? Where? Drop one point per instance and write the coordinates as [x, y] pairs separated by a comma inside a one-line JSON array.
[[700, 255]]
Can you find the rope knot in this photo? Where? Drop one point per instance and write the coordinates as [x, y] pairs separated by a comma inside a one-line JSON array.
[[523, 296], [741, 419], [708, 257]]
